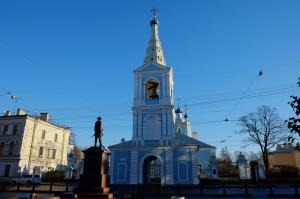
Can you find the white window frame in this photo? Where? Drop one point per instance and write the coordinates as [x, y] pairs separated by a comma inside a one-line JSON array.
[[187, 172], [118, 177]]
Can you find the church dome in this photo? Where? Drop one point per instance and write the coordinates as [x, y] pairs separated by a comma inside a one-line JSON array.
[[154, 21], [178, 110]]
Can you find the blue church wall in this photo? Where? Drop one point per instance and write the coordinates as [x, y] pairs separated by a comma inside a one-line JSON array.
[[158, 114], [182, 166], [122, 167]]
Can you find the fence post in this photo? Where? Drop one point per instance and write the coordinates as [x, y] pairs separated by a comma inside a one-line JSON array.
[[270, 189], [179, 190], [296, 189], [246, 189], [201, 189], [33, 187], [139, 188], [67, 186], [51, 184], [224, 189]]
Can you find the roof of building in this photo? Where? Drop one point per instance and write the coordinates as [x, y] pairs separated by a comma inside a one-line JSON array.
[[285, 148], [184, 140], [180, 140], [25, 116]]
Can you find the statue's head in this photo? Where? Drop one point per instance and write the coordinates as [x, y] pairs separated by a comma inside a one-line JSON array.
[[99, 118]]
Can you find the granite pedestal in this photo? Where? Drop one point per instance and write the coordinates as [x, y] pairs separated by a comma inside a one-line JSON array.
[[94, 180]]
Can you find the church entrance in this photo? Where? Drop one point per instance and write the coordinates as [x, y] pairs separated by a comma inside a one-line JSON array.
[[151, 170]]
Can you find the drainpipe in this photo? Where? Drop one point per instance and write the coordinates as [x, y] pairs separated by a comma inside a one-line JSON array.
[[32, 139], [63, 147]]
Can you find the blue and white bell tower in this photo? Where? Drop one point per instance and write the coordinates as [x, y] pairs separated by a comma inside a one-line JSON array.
[[153, 108], [158, 152]]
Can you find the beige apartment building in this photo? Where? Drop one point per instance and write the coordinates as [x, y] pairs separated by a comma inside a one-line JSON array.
[[31, 144]]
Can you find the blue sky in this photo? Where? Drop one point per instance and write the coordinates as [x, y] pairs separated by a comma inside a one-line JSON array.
[[74, 59]]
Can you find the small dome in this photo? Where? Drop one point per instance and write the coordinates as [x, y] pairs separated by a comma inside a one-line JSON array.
[[178, 110], [154, 21], [185, 116]]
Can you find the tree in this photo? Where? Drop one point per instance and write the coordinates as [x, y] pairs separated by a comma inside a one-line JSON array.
[[294, 122], [226, 168], [265, 129], [225, 156]]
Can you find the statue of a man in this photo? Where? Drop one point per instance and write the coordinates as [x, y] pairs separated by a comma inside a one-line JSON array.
[[98, 131]]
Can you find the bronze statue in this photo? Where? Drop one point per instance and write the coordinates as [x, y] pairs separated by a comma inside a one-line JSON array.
[[98, 131]]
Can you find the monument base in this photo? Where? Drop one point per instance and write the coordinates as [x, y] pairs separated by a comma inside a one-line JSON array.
[[94, 180]]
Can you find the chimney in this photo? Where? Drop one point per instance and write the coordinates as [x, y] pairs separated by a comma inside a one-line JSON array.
[[45, 116], [195, 135], [21, 111], [7, 113]]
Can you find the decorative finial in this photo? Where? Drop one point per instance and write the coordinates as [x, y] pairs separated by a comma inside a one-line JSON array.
[[186, 114], [154, 12], [178, 101], [178, 108]]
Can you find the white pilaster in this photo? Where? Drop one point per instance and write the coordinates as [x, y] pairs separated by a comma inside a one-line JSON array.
[[194, 166], [134, 167], [169, 167]]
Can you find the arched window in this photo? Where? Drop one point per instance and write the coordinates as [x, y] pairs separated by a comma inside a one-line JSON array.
[[2, 148], [11, 148], [152, 89]]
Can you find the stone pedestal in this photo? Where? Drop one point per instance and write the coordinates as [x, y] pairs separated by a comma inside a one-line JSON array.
[[94, 179]]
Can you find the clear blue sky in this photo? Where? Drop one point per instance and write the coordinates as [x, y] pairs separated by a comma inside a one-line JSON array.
[[74, 59]]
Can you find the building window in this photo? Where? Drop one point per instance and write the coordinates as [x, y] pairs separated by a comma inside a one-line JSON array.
[[5, 130], [7, 170], [2, 148], [41, 151], [11, 148], [152, 89], [15, 132], [214, 171], [183, 171], [122, 167], [55, 137], [53, 153], [43, 134]]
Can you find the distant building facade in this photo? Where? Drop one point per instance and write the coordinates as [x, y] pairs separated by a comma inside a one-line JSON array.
[[284, 155], [31, 144], [162, 149]]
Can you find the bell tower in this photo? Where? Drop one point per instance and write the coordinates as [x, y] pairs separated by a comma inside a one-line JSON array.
[[153, 107]]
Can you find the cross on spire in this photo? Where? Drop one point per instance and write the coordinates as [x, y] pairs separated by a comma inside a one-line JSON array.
[[178, 101], [154, 12]]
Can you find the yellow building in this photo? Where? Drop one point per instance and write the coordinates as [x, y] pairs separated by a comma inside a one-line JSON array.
[[284, 154], [31, 143]]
